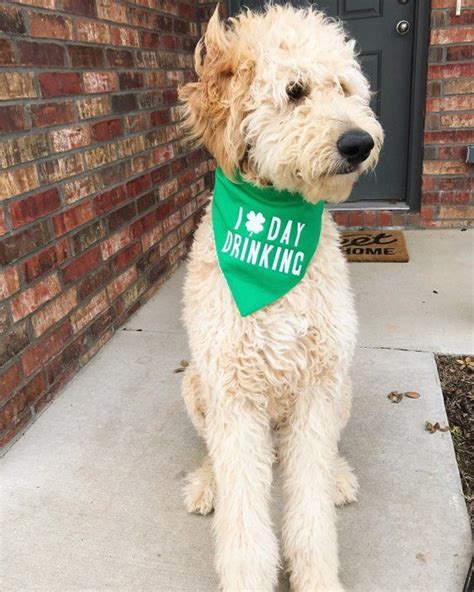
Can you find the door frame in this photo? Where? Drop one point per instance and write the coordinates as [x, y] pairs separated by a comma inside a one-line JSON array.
[[421, 32]]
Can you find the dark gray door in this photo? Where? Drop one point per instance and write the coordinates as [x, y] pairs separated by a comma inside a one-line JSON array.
[[387, 56]]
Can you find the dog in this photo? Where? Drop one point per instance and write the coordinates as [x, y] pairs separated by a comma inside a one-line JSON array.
[[280, 98]]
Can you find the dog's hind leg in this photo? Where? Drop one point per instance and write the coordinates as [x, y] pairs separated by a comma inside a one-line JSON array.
[[200, 489], [347, 485]]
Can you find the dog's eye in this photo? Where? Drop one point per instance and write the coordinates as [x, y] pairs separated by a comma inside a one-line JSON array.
[[296, 91]]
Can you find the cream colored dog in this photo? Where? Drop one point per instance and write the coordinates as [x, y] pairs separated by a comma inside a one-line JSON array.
[[281, 97]]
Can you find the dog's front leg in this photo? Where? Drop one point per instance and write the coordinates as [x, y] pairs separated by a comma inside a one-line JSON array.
[[308, 452], [239, 442]]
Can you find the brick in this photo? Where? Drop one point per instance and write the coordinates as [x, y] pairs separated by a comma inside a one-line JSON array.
[[129, 80], [12, 119], [452, 35], [145, 202], [32, 298], [51, 26], [452, 153], [129, 146], [45, 261], [16, 85], [80, 266], [11, 21], [23, 149], [12, 412], [109, 200], [34, 207], [40, 3], [137, 123], [111, 11], [41, 54], [143, 224], [456, 183], [138, 185], [65, 362], [72, 218], [120, 58], [89, 311], [85, 56], [53, 312], [61, 168], [450, 71], [87, 236], [9, 381], [57, 84], [124, 36], [150, 40], [173, 220], [126, 256], [106, 130], [80, 7], [454, 197], [99, 82], [460, 53], [69, 138], [99, 156], [459, 103], [449, 137], [52, 114], [3, 223], [9, 282], [456, 87], [458, 120], [122, 215], [18, 181], [167, 189], [94, 280], [124, 103], [121, 283], [93, 107], [116, 242], [92, 32], [7, 57], [14, 342], [457, 212], [37, 355], [161, 117], [133, 293], [17, 245], [151, 238], [75, 190]]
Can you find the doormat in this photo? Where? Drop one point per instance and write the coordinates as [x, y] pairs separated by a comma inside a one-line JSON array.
[[383, 246]]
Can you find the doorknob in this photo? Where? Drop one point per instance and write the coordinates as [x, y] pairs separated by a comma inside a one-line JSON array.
[[402, 27]]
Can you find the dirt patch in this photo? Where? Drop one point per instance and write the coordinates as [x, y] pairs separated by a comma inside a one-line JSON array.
[[457, 381]]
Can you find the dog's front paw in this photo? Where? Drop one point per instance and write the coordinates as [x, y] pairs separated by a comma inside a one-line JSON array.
[[199, 492], [347, 485]]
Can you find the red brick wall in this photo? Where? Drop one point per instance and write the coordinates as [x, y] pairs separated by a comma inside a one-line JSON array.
[[99, 196], [447, 198]]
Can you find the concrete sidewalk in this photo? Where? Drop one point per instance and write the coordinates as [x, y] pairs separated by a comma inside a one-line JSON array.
[[91, 498]]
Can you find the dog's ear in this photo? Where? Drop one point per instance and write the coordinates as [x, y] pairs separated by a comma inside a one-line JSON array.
[[213, 106]]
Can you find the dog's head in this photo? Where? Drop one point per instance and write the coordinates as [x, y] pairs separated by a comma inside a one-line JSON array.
[[281, 96]]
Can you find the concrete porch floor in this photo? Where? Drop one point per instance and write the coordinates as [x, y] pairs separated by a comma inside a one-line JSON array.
[[90, 495]]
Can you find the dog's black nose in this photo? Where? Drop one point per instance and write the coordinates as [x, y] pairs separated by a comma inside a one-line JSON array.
[[355, 145]]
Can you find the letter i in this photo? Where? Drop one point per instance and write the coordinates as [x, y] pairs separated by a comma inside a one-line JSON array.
[[239, 219]]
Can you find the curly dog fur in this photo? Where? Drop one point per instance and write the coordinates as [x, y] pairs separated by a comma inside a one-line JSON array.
[[275, 382]]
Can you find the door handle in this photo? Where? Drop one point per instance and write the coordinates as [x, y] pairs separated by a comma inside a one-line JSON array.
[[402, 27]]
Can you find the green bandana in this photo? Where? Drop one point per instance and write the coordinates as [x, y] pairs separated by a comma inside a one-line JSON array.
[[264, 239]]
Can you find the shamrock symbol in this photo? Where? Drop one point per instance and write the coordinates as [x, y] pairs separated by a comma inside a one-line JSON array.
[[254, 222]]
